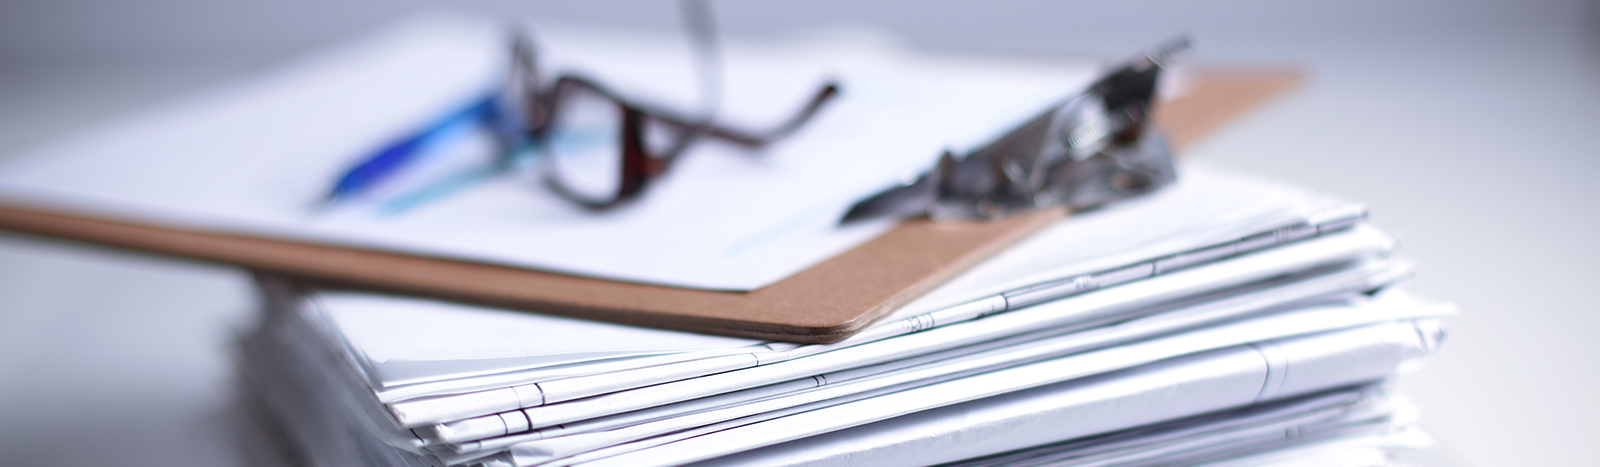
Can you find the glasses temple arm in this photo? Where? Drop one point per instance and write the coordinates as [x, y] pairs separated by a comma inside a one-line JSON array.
[[749, 138]]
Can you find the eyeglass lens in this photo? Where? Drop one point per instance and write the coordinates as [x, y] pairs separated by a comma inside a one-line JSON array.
[[584, 143]]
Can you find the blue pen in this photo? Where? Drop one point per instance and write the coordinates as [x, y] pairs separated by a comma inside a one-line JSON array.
[[393, 157]]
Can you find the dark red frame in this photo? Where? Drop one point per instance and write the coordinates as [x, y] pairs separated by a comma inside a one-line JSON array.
[[639, 166]]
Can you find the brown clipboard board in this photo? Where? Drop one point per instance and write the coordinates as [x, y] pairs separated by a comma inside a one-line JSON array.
[[825, 303]]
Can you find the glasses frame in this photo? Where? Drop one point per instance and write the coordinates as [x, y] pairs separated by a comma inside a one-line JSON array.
[[640, 166]]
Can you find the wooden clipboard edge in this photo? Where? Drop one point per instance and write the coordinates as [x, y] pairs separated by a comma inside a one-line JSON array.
[[498, 286], [768, 313]]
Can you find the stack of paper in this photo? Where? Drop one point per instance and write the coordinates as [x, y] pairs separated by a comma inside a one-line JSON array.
[[1222, 319], [1198, 324]]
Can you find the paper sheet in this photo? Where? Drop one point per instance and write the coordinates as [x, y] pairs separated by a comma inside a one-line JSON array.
[[405, 340], [1365, 353], [1294, 355], [1367, 410], [258, 157], [1204, 207], [948, 370], [415, 341], [794, 361], [1101, 304], [1075, 338]]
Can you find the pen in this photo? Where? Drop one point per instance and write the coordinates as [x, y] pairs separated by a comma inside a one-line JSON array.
[[388, 160]]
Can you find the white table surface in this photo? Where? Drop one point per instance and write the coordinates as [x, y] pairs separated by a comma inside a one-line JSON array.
[[1478, 145]]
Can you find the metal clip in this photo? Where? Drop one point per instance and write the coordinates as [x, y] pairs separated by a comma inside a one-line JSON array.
[[1092, 149]]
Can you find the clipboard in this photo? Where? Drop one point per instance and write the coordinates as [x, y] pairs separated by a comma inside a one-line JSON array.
[[825, 303]]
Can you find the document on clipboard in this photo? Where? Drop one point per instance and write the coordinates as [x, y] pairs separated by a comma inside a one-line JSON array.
[[234, 176]]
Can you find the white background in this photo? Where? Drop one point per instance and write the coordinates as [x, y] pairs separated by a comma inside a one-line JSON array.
[[1473, 131]]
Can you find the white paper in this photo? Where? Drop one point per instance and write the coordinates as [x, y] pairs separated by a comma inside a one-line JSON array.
[[964, 366], [1205, 207], [1392, 337], [1182, 284], [1366, 410], [378, 418], [301, 378], [257, 158], [405, 340], [1016, 349]]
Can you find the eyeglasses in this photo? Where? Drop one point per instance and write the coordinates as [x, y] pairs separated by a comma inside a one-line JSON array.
[[602, 149], [598, 149]]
